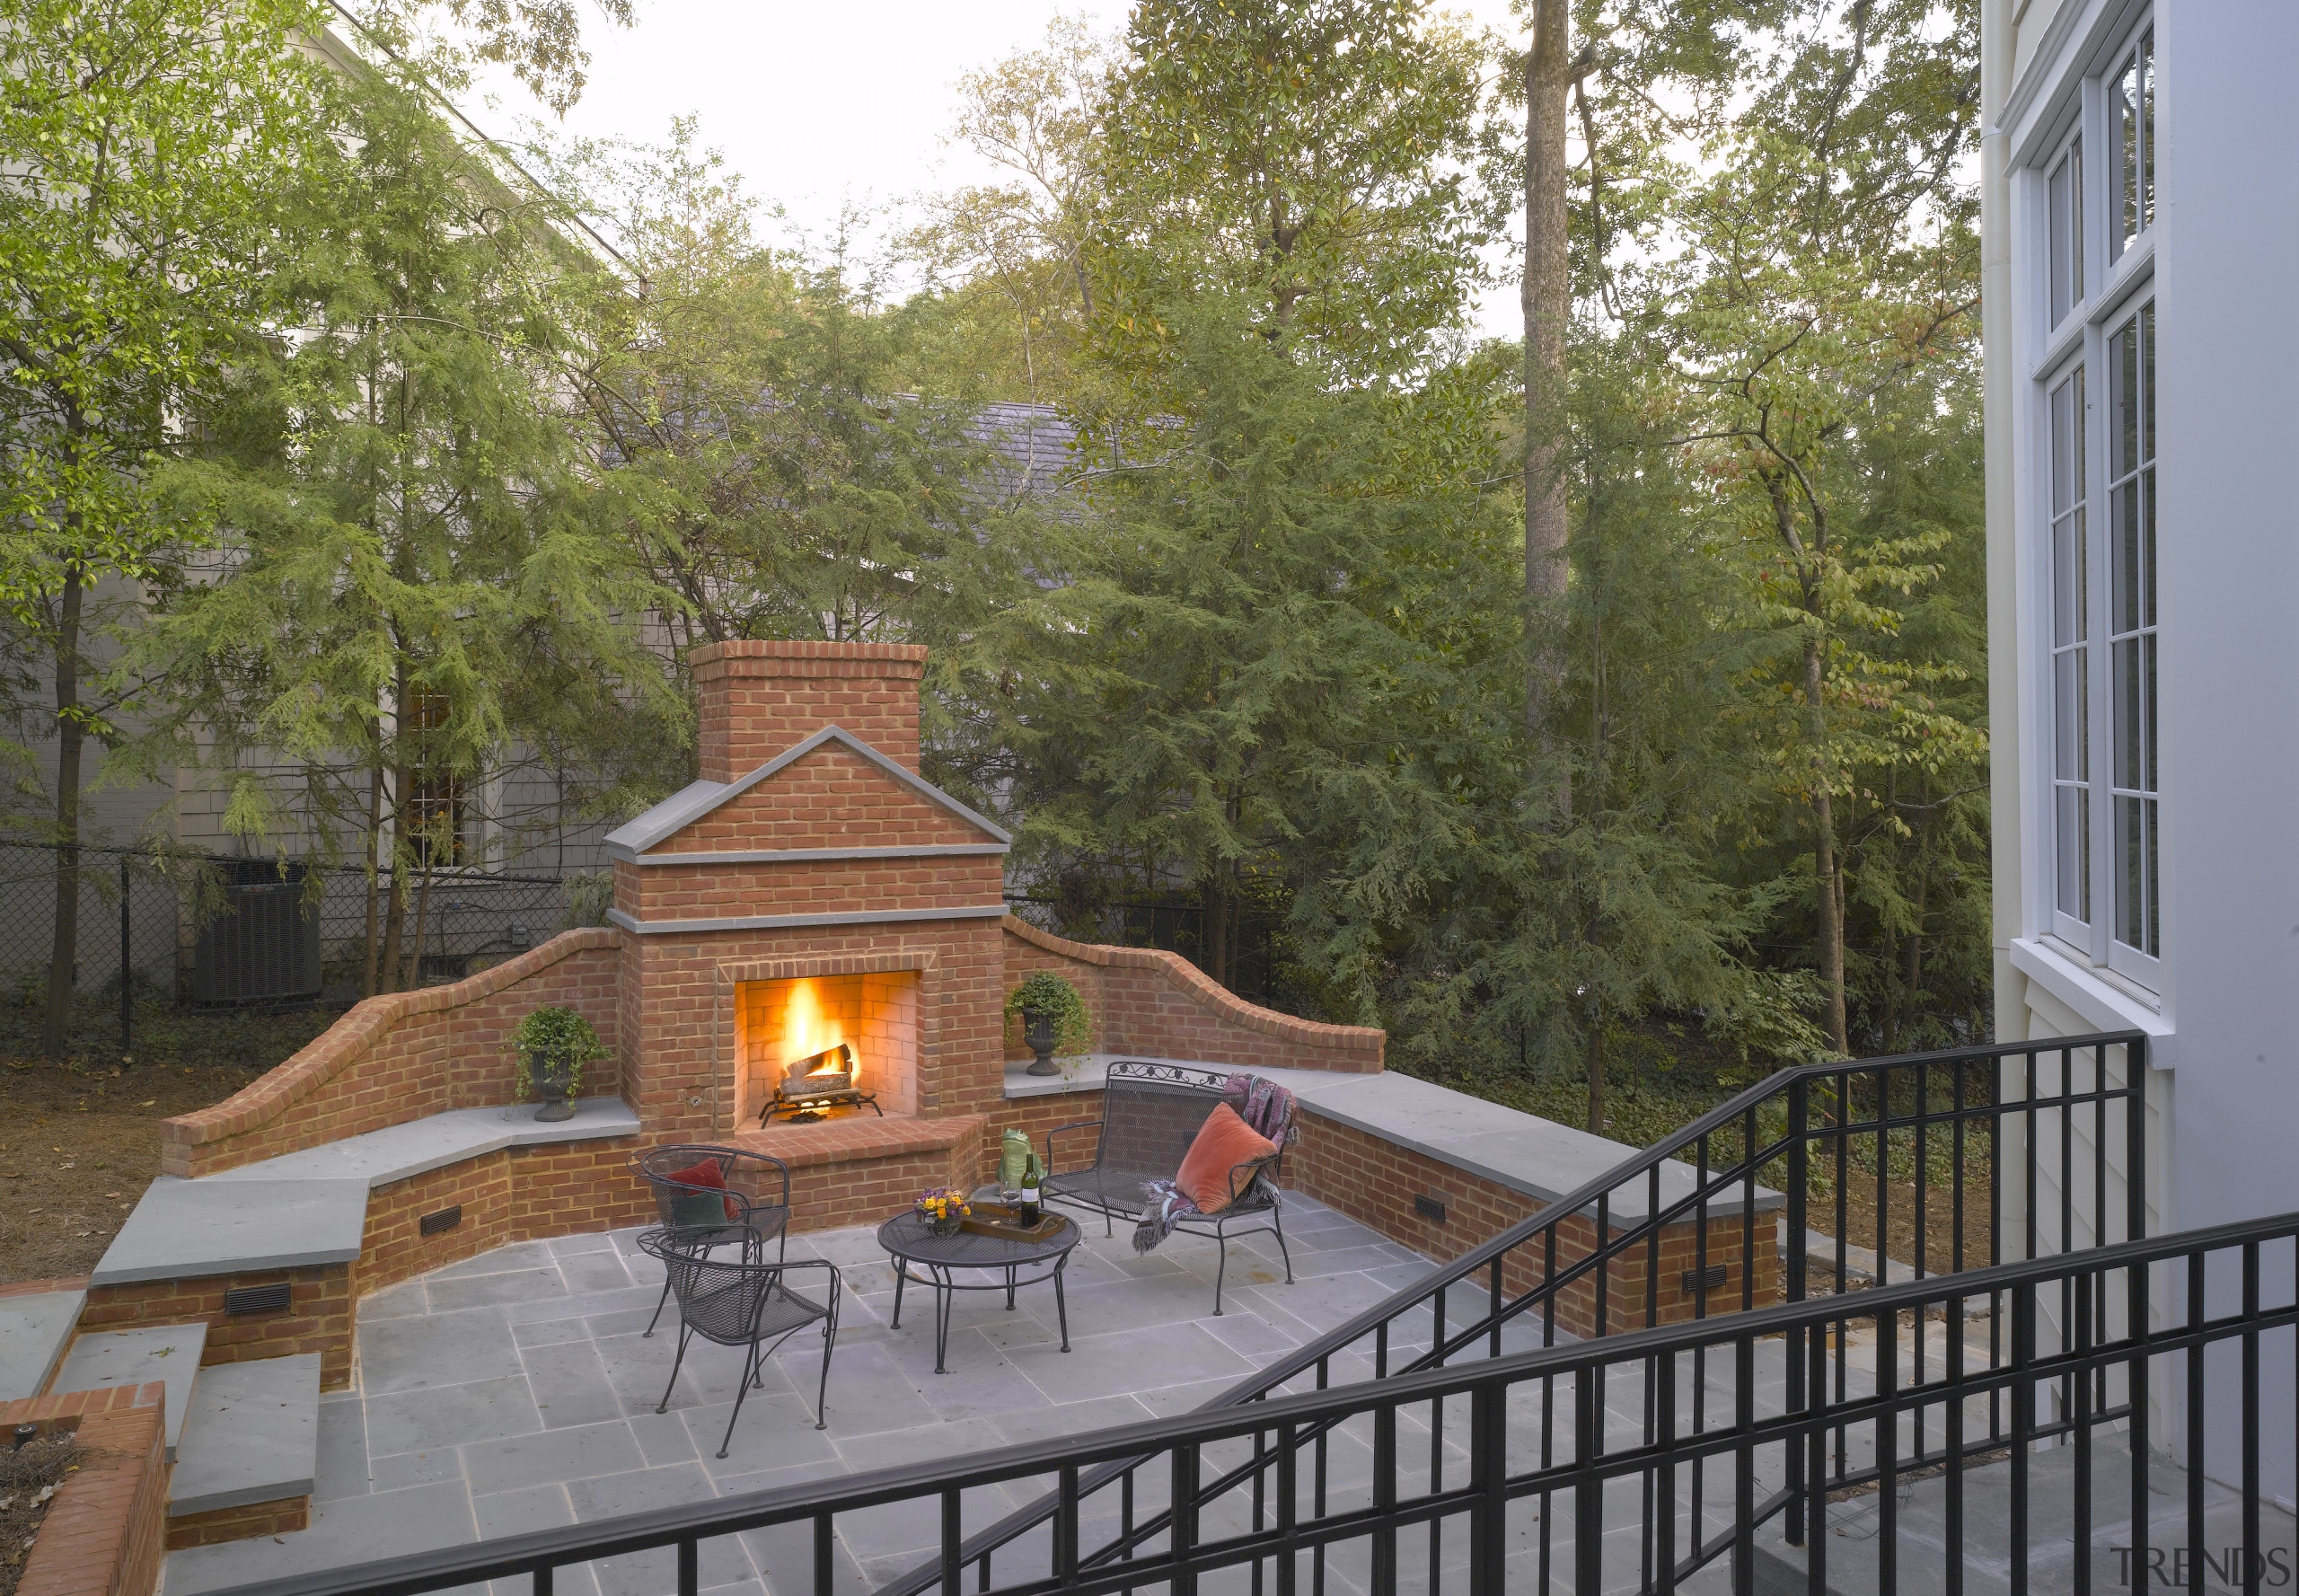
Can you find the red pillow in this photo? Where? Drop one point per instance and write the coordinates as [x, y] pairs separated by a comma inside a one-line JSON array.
[[707, 1173], [1223, 1141]]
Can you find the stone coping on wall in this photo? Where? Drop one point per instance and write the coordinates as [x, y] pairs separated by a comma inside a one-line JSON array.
[[378, 1157], [309, 1208], [1536, 1157]]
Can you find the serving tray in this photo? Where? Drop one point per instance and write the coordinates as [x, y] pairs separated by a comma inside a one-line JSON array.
[[995, 1219]]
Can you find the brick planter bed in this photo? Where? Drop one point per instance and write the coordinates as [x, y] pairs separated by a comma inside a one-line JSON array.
[[105, 1527]]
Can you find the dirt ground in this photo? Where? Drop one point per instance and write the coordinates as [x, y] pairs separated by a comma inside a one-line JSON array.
[[29, 1479], [1899, 1222], [80, 1139]]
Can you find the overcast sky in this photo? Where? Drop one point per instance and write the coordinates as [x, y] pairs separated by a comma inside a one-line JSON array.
[[821, 102]]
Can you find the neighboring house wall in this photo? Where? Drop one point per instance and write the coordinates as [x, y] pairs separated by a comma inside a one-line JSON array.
[[2202, 956]]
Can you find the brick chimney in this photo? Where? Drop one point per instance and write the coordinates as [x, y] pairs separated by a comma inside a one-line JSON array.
[[758, 699]]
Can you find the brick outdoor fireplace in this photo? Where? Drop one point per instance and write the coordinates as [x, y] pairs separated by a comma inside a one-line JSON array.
[[812, 900]]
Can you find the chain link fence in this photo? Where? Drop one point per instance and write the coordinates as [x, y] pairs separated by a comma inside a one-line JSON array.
[[207, 932]]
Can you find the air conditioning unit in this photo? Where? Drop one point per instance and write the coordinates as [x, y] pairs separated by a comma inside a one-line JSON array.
[[264, 947]]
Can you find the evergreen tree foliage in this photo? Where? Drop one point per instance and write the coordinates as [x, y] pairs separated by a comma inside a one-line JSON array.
[[416, 593]]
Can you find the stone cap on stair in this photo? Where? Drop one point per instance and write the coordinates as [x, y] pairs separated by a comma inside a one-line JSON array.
[[35, 1327], [251, 1436]]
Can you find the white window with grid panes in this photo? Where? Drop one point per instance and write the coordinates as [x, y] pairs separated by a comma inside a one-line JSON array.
[[2097, 431]]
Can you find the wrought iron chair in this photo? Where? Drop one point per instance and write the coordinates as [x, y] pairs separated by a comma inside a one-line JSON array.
[[735, 1215], [1150, 1114], [747, 1304]]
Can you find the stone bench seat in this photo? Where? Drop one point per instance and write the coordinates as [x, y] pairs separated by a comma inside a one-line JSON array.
[[310, 1207]]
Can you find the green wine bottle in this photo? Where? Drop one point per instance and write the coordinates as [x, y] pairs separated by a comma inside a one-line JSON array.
[[1030, 1191]]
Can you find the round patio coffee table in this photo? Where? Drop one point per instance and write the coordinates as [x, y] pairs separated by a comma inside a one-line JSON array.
[[909, 1245]]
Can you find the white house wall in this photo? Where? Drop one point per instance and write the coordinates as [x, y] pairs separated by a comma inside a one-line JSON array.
[[2223, 1093]]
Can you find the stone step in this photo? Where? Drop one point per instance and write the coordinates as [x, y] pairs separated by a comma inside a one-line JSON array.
[[252, 1435], [1855, 1547], [34, 1330], [169, 1353]]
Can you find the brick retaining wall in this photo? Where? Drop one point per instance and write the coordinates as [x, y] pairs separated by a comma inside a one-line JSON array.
[[405, 1055], [1374, 1181], [1147, 1000], [104, 1531]]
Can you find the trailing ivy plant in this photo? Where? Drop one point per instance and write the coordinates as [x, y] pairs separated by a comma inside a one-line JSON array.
[[561, 1037], [1044, 992]]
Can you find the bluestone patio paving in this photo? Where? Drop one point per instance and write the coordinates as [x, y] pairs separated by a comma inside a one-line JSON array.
[[514, 1391]]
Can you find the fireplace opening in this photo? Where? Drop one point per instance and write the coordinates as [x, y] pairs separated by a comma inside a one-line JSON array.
[[822, 1046]]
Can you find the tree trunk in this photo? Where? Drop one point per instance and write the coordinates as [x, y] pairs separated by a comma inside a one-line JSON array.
[[395, 905], [56, 1024], [1824, 863], [1216, 951], [371, 968], [1596, 1072], [1547, 304], [412, 976]]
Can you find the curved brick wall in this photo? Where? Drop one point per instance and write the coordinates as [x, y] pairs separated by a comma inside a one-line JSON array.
[[1144, 999], [405, 1055]]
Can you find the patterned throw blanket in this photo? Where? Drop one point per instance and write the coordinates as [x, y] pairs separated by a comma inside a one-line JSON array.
[[1267, 1107]]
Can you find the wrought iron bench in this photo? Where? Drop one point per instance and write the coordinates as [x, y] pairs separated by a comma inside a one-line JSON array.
[[1150, 1114]]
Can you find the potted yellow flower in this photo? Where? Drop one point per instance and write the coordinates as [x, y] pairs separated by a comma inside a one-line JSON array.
[[944, 1210]]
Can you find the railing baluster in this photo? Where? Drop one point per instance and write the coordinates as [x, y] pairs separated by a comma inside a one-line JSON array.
[[1588, 1490], [1289, 1502], [690, 1579], [1385, 1497], [2254, 1553], [1888, 1449], [2023, 1422], [1661, 1522], [1952, 1422], [1183, 1538], [1489, 1476], [2085, 1337], [825, 1569], [953, 1540], [542, 1577], [1318, 1506], [1816, 1462], [1744, 1459], [1065, 1527], [1791, 1265], [2198, 1282]]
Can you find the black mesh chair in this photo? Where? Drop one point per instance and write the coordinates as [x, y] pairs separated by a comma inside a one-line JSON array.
[[1150, 1114], [745, 1303], [753, 1209]]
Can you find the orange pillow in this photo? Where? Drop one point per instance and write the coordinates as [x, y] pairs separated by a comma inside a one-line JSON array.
[[1223, 1143]]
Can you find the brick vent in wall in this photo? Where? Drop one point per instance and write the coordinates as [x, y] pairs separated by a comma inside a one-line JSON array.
[[104, 1531]]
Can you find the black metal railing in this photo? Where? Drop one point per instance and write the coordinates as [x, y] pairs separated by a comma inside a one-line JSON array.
[[1997, 1169], [1583, 1462], [2030, 1110]]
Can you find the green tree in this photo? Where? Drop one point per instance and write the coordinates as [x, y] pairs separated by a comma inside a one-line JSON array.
[[1803, 316], [1009, 256], [417, 592], [1304, 160], [147, 149]]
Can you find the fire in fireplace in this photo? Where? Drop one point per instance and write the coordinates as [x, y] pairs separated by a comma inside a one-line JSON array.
[[818, 1082], [814, 1045]]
